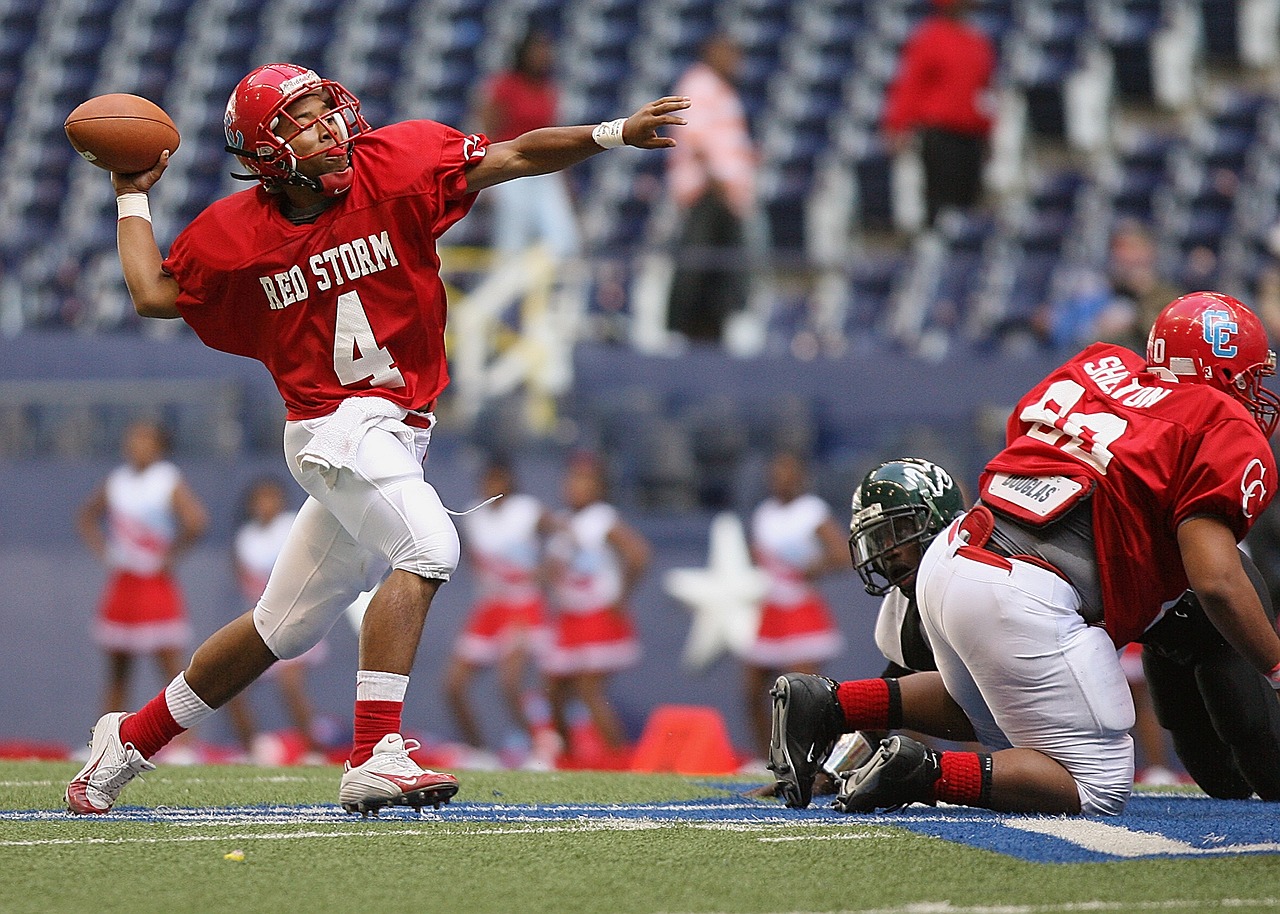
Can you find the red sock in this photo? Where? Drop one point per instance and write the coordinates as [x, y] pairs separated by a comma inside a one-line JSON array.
[[965, 779], [151, 729], [374, 720], [865, 703]]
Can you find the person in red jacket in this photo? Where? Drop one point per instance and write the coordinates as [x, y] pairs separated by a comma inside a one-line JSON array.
[[940, 93]]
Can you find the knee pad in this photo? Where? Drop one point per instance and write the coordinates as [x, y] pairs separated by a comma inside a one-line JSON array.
[[411, 528], [432, 555], [1104, 798], [1105, 780]]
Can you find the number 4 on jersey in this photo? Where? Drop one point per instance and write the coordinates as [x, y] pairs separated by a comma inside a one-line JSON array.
[[357, 357]]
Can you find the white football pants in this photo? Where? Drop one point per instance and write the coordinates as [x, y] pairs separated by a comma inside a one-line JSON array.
[[380, 514], [1019, 659]]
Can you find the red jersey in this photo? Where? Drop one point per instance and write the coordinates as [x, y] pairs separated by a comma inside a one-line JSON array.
[[1155, 454], [946, 70], [350, 304], [522, 104]]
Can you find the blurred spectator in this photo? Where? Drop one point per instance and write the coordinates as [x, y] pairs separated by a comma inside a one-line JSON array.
[[512, 102], [1269, 285], [712, 179], [1118, 307], [138, 522], [940, 93], [595, 559], [795, 539], [506, 628], [257, 546]]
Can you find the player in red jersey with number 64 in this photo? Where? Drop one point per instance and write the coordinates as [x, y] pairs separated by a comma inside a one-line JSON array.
[[1123, 483], [327, 273]]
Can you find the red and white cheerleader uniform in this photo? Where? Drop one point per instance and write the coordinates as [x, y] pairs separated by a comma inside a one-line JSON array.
[[509, 614], [142, 609], [796, 625], [592, 633]]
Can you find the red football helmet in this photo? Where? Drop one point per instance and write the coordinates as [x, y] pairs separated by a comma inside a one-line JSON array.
[[257, 124], [1211, 338]]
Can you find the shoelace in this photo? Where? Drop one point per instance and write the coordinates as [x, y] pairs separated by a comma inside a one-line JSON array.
[[119, 775], [400, 759]]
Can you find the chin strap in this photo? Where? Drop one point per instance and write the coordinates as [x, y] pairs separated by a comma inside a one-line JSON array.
[[334, 184]]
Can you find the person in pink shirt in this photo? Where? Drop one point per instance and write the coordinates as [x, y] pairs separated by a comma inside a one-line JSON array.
[[712, 179]]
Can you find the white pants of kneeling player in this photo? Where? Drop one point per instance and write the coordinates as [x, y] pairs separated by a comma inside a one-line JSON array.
[[379, 515], [1020, 660]]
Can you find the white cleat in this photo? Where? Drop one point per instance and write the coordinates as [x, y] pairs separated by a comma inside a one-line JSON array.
[[391, 778], [112, 764]]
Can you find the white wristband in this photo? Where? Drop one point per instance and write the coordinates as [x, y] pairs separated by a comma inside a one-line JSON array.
[[133, 204], [608, 134], [1274, 677]]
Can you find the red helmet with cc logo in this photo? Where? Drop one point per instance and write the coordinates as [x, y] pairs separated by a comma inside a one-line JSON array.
[[1211, 338]]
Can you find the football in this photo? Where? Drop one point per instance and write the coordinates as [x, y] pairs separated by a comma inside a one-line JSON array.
[[120, 132]]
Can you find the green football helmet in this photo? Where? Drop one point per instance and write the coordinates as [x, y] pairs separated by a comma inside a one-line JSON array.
[[898, 503]]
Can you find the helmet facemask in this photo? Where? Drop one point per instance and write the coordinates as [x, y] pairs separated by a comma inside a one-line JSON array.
[[898, 509], [876, 536], [266, 152], [1247, 388]]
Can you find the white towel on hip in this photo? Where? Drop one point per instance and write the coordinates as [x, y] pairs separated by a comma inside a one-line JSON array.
[[333, 447]]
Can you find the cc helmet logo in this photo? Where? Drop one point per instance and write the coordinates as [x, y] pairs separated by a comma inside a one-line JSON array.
[[1219, 329], [1253, 487]]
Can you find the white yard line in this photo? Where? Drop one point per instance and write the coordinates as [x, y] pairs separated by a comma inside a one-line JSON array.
[[946, 907], [1119, 841], [436, 830]]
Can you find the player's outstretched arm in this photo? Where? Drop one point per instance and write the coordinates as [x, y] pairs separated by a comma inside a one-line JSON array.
[[1229, 599], [154, 292], [549, 149]]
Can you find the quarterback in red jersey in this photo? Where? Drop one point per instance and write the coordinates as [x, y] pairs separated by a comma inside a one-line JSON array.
[[327, 273], [1122, 484]]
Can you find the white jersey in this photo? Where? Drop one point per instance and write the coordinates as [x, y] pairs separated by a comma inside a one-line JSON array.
[[505, 548], [784, 538], [591, 576], [257, 547], [893, 614], [141, 515]]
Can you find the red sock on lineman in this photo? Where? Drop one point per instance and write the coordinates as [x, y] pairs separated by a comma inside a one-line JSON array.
[[965, 779], [379, 704], [175, 709], [870, 704]]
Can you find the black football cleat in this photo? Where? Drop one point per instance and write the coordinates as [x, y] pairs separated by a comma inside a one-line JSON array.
[[901, 772], [806, 721]]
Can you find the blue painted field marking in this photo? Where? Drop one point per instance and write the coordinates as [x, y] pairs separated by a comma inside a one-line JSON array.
[[1153, 826]]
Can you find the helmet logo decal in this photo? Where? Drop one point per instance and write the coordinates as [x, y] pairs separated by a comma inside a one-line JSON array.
[[1253, 486], [1219, 329], [933, 479], [301, 81]]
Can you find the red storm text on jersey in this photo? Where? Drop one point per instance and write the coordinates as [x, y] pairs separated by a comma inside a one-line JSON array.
[[1155, 453], [351, 304]]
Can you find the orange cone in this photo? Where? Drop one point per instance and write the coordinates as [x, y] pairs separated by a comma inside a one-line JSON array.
[[685, 739]]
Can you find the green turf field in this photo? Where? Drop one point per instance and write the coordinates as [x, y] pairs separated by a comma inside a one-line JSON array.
[[521, 852]]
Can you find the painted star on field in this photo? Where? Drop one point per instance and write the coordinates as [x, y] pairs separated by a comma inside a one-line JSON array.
[[724, 597]]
